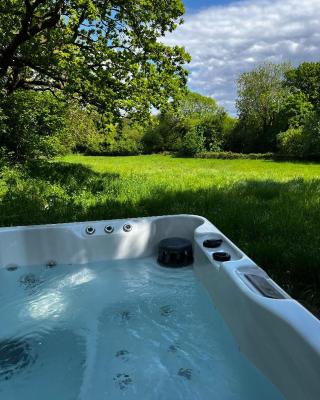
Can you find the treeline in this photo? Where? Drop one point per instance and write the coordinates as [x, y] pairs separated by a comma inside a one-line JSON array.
[[278, 111], [42, 124]]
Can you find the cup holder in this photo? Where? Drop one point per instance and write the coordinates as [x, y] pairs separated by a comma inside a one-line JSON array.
[[212, 243], [221, 256]]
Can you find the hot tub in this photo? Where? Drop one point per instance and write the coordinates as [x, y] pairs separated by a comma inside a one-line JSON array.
[[88, 313]]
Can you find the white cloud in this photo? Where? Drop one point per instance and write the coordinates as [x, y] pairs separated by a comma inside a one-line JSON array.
[[227, 40]]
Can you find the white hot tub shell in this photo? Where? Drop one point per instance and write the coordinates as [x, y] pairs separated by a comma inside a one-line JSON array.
[[278, 335]]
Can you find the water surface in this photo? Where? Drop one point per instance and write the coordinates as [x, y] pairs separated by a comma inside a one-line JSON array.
[[117, 330]]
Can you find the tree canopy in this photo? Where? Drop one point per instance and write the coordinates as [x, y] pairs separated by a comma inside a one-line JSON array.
[[261, 93], [278, 109], [306, 79], [196, 105], [198, 123], [103, 52]]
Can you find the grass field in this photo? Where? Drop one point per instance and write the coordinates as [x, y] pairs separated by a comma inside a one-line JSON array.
[[271, 210]]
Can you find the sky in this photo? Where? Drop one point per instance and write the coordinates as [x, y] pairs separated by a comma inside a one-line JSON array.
[[226, 38]]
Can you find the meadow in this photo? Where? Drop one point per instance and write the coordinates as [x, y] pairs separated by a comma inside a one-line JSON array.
[[271, 210]]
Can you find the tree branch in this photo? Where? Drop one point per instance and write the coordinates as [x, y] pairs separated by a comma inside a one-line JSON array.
[[27, 30], [24, 62], [77, 26]]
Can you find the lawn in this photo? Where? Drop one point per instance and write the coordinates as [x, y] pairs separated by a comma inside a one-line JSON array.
[[271, 210]]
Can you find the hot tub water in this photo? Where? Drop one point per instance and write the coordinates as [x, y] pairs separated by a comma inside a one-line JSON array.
[[117, 330]]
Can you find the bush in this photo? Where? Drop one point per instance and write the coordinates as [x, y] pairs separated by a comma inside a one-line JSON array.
[[125, 146], [168, 131], [229, 155], [211, 128], [165, 133], [81, 132], [125, 139], [292, 142], [234, 138], [311, 132], [30, 122], [39, 124], [302, 142], [153, 141], [193, 142]]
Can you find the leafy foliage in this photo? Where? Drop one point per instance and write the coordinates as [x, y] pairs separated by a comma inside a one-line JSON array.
[[193, 142], [30, 124], [39, 124], [194, 105], [105, 53], [212, 128], [306, 79], [278, 110], [261, 93], [302, 141], [198, 122], [294, 111], [127, 139], [165, 133], [291, 142]]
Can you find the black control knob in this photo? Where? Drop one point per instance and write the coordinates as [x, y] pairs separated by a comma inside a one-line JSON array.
[[212, 243], [221, 256]]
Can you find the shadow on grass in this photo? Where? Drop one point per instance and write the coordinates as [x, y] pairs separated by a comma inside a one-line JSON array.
[[275, 223], [46, 192], [70, 176]]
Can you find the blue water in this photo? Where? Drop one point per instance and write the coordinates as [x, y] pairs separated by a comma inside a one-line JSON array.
[[117, 330]]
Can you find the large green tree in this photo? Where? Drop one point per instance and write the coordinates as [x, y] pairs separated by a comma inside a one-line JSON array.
[[195, 105], [197, 119], [261, 93], [306, 79], [103, 52]]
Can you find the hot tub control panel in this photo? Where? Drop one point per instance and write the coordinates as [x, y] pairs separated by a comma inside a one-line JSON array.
[[264, 286]]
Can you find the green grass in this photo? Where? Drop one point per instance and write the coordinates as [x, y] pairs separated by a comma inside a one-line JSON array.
[[271, 210]]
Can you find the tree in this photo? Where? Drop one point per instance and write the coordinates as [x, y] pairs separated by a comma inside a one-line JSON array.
[[197, 117], [306, 79], [31, 124], [197, 106], [302, 141], [127, 139], [193, 142], [294, 111], [105, 53], [83, 131], [261, 93], [39, 124]]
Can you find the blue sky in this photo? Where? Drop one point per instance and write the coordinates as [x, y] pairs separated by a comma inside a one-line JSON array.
[[196, 5], [226, 38]]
